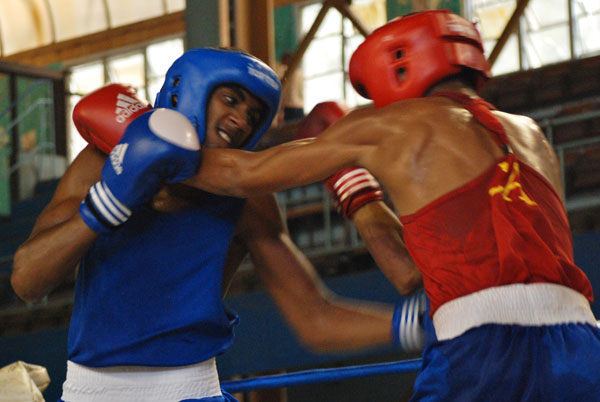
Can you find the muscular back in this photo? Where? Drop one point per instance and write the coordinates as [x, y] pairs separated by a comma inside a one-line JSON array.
[[427, 147]]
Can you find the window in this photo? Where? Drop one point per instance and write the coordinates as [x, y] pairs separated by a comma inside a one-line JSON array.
[[491, 18], [144, 69], [586, 31], [546, 26], [159, 58], [545, 33], [325, 63], [27, 24], [544, 36]]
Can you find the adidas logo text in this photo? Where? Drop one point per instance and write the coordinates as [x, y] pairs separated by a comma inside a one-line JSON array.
[[126, 106], [116, 157]]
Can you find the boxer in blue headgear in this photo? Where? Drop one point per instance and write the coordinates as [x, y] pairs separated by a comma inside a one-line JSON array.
[[148, 317], [193, 77]]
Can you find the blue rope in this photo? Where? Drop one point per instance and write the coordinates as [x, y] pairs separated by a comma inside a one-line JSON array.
[[320, 375]]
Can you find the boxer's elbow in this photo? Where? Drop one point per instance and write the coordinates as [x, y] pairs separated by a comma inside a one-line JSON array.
[[225, 174], [21, 279], [23, 292], [409, 283]]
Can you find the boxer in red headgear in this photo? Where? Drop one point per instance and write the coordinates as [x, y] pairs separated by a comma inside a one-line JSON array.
[[479, 193]]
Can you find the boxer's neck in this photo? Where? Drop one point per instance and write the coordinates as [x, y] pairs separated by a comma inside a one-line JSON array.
[[452, 86]]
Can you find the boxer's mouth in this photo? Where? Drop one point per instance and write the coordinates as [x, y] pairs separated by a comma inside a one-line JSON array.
[[223, 134]]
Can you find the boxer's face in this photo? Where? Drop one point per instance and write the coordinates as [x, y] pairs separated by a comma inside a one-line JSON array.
[[232, 116]]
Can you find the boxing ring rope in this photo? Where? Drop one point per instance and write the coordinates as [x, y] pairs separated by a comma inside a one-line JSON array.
[[320, 375], [316, 376]]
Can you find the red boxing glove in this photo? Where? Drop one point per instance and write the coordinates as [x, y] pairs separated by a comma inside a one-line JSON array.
[[102, 116], [352, 188], [323, 115]]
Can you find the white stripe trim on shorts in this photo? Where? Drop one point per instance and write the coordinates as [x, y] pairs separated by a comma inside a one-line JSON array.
[[140, 383], [532, 304]]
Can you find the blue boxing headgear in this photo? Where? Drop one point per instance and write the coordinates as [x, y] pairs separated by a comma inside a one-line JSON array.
[[192, 78]]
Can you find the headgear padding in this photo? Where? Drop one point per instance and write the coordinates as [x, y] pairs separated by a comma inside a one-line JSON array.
[[405, 57], [191, 79]]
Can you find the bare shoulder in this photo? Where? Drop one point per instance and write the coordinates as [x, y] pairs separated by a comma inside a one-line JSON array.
[[519, 121], [522, 131], [531, 145], [397, 132], [395, 118]]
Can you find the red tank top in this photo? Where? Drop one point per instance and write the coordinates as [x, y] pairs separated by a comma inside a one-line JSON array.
[[506, 226]]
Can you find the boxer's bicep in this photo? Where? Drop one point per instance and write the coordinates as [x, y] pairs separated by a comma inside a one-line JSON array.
[[83, 172], [59, 237]]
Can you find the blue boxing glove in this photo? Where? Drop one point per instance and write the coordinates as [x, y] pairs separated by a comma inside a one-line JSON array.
[[160, 146], [407, 325]]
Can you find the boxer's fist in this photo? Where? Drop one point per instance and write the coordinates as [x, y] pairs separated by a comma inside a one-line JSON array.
[[102, 116], [407, 325], [159, 146], [323, 115]]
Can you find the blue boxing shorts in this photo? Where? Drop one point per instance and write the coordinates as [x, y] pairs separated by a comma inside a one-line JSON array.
[[493, 362]]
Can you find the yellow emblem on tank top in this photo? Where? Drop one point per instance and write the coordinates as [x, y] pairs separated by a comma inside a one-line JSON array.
[[511, 185]]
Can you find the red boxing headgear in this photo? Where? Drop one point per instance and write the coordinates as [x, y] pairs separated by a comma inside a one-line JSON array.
[[406, 56]]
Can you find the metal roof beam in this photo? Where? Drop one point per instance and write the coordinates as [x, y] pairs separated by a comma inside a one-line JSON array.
[[511, 25]]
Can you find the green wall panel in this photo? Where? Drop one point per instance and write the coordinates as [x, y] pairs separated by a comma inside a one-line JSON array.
[[396, 8], [286, 37]]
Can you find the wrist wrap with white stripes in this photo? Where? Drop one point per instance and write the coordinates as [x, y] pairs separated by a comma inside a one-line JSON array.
[[353, 187], [102, 211], [407, 327]]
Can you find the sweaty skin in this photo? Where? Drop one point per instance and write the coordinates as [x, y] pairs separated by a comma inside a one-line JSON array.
[[419, 149]]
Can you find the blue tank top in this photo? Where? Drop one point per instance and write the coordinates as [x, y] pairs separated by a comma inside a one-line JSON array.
[[150, 293]]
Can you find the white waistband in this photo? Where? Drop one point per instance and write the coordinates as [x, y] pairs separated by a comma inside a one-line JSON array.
[[521, 304], [139, 383]]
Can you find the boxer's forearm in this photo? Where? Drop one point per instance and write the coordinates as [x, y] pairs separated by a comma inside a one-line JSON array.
[[351, 325], [327, 323], [322, 320], [381, 232], [245, 174]]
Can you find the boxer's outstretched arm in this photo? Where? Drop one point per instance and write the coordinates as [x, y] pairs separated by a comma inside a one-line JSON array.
[[244, 174], [322, 320], [59, 237]]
